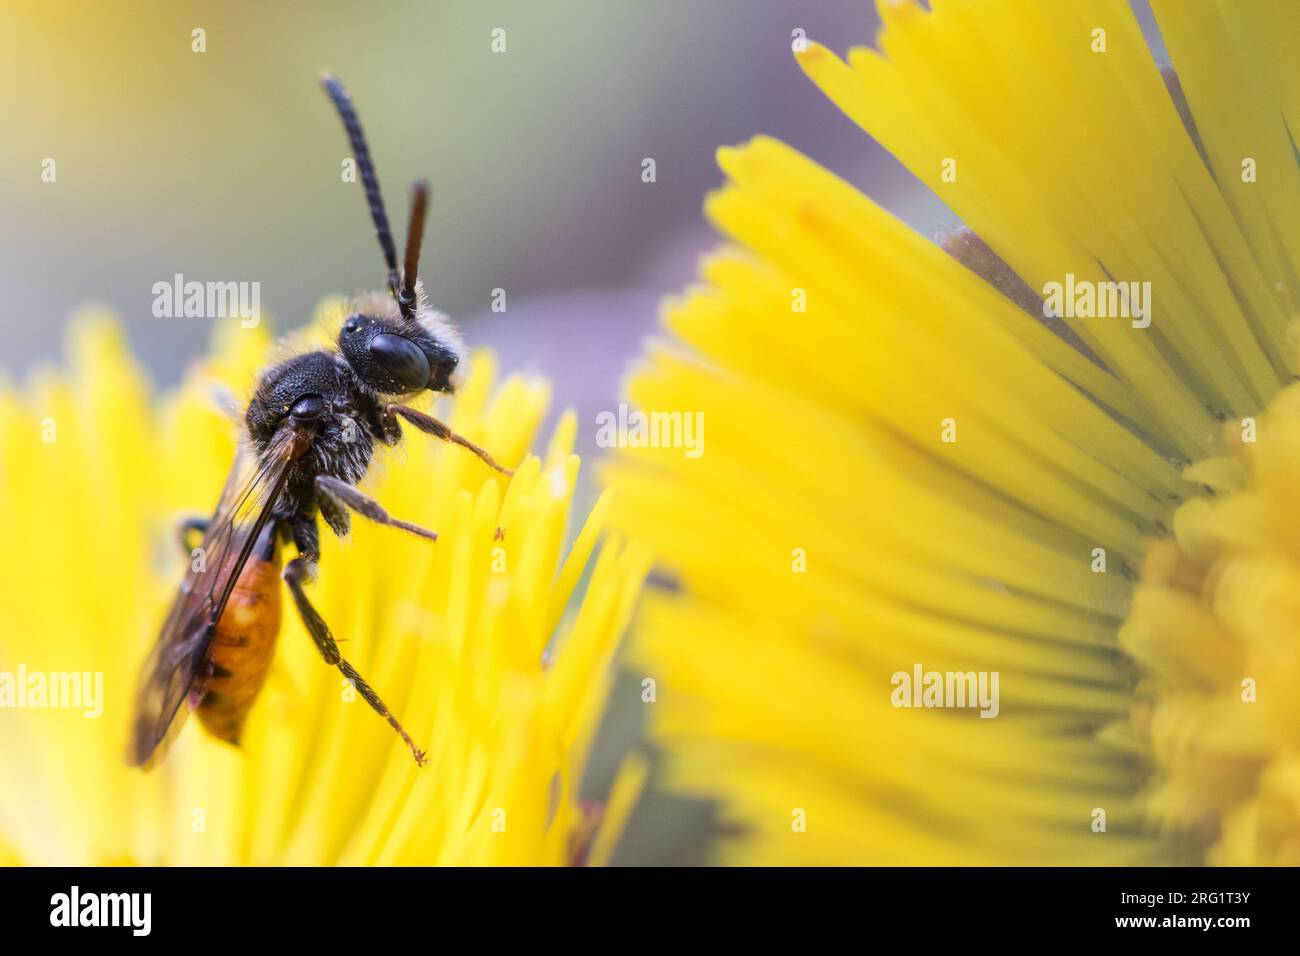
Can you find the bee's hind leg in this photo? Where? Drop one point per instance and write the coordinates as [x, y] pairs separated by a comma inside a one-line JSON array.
[[297, 573], [190, 532]]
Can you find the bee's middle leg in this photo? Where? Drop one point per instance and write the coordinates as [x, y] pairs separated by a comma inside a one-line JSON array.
[[298, 572], [334, 495]]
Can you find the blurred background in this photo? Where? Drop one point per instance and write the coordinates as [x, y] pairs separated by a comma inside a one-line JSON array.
[[226, 165]]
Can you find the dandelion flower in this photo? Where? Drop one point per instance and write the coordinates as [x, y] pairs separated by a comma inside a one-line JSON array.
[[907, 465], [474, 641]]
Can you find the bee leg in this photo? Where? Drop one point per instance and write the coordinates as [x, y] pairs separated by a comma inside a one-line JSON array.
[[296, 573], [431, 426], [343, 495], [187, 529]]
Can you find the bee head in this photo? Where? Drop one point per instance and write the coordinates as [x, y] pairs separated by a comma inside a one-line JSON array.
[[393, 356]]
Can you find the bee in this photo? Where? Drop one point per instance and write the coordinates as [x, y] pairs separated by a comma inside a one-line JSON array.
[[312, 427]]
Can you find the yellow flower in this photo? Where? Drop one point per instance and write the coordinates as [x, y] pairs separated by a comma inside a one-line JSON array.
[[905, 469], [473, 642]]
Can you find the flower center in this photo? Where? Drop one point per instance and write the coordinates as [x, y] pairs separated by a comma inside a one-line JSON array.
[[1214, 624]]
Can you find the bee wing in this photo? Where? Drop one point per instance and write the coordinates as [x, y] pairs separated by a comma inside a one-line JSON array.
[[174, 669]]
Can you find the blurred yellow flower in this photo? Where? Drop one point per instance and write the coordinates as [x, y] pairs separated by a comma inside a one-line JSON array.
[[907, 470], [473, 641]]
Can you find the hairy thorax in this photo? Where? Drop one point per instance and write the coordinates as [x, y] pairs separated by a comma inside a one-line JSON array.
[[343, 437]]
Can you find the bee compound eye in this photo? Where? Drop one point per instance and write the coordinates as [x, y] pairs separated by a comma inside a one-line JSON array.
[[402, 359], [308, 408]]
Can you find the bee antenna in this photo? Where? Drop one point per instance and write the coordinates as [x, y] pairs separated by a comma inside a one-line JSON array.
[[343, 103], [414, 237]]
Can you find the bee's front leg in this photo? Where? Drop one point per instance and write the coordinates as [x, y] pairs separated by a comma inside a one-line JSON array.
[[431, 426]]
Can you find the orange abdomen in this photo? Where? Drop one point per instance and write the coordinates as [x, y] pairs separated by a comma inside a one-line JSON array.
[[242, 649]]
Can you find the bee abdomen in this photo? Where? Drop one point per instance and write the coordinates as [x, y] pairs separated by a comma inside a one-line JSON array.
[[242, 649]]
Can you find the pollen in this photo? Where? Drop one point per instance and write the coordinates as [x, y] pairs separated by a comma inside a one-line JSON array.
[[1213, 624]]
